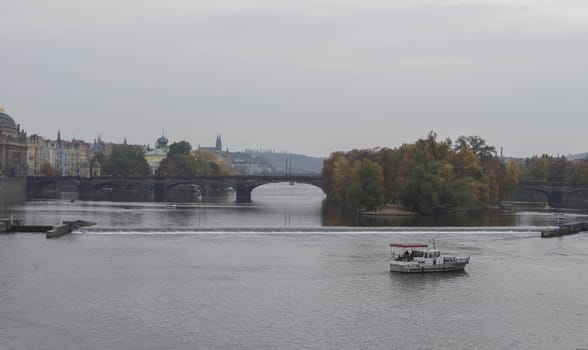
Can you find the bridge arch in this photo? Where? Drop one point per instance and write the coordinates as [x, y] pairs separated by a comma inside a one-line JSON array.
[[555, 193], [243, 184], [244, 191], [38, 184]]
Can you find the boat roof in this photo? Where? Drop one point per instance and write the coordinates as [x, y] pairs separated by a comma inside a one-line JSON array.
[[408, 245]]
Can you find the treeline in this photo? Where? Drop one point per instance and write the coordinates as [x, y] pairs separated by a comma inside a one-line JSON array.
[[127, 160], [427, 176], [555, 170]]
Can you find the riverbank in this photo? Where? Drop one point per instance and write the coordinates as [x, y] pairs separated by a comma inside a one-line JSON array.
[[389, 210]]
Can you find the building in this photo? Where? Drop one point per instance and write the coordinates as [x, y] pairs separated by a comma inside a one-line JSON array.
[[36, 155], [218, 147], [13, 147], [65, 158], [79, 158], [156, 155]]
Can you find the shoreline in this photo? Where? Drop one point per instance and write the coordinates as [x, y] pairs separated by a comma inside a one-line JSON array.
[[389, 211]]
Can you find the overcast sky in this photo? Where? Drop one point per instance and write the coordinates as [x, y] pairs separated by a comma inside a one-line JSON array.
[[304, 76]]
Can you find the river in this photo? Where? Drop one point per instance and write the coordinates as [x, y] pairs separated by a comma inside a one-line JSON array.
[[285, 272]]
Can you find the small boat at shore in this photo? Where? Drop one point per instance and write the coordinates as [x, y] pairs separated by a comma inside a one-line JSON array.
[[416, 257]]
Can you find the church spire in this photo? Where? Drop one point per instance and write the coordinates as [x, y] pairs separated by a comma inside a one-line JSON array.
[[219, 143]]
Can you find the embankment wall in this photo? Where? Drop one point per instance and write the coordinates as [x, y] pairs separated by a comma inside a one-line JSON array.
[[13, 190]]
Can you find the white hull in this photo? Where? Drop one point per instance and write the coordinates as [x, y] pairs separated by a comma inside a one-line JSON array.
[[415, 267]]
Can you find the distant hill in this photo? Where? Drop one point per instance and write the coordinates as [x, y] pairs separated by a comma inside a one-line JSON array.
[[300, 164]]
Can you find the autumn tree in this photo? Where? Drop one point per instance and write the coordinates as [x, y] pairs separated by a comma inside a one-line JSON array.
[[477, 145], [209, 164], [429, 175], [581, 171], [341, 176], [48, 170]]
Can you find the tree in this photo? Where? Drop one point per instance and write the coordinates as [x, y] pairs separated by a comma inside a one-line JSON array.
[[477, 145], [182, 147], [177, 165], [126, 160], [581, 172], [366, 190], [208, 164], [537, 169], [396, 165], [427, 176], [179, 162], [48, 170], [442, 179], [341, 177]]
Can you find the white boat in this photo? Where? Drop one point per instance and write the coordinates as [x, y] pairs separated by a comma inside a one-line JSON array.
[[416, 257]]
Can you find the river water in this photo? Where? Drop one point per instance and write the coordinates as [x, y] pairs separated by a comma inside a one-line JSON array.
[[285, 272]]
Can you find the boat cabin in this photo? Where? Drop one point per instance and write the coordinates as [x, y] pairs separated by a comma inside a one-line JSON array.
[[410, 251]]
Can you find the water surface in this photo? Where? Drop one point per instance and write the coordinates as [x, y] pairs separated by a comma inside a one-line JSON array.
[[271, 275]]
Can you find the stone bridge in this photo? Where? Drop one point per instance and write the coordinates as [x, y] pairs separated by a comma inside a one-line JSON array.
[[558, 193], [242, 184]]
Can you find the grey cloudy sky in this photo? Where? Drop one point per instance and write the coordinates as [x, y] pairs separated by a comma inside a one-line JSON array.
[[305, 76]]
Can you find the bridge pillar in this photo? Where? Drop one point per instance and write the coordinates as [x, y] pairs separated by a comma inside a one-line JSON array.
[[243, 194], [555, 199]]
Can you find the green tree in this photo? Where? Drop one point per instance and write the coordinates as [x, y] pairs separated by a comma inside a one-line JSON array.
[[366, 190], [561, 171], [126, 160], [177, 165], [442, 180], [182, 147], [537, 169], [179, 162]]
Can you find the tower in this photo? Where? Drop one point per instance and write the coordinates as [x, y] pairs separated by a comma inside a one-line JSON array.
[[219, 144]]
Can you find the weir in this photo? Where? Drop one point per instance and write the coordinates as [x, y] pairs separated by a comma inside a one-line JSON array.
[[565, 230]]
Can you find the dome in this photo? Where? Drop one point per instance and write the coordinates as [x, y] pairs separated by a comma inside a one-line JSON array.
[[6, 121], [162, 141]]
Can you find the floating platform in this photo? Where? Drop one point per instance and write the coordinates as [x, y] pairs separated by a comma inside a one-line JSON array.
[[565, 230], [15, 225]]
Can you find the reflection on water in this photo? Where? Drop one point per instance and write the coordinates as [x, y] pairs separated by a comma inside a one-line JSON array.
[[273, 205], [278, 205]]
